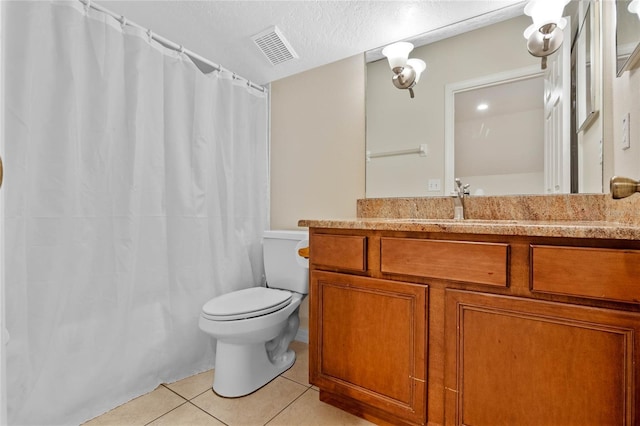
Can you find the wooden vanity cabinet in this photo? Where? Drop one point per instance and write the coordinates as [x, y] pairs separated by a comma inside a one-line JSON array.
[[514, 361], [368, 351], [415, 328]]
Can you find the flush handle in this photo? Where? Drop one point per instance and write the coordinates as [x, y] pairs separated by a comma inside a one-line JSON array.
[[304, 252]]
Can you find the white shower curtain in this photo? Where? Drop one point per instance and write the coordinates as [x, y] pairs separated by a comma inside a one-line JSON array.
[[136, 189]]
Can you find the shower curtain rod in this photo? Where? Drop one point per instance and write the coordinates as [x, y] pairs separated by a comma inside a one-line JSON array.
[[168, 43]]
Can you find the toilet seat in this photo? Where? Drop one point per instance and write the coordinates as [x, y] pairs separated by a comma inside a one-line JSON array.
[[247, 303]]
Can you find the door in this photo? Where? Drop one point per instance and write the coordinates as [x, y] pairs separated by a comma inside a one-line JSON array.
[[512, 361], [367, 343]]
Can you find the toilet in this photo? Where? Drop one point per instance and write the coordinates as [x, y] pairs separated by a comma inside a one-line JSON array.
[[254, 326]]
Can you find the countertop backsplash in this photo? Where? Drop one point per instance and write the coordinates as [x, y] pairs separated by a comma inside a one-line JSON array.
[[564, 207]]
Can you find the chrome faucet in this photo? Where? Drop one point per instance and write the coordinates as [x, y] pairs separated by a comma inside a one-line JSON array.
[[459, 192]]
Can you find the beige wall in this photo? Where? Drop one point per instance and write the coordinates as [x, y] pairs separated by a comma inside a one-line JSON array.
[[625, 95], [317, 146], [317, 143], [627, 162]]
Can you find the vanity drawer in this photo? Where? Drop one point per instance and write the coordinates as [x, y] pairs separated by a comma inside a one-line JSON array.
[[339, 251], [484, 263], [612, 274]]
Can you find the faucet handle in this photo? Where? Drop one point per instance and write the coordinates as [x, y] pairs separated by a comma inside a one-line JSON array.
[[458, 188], [461, 189]]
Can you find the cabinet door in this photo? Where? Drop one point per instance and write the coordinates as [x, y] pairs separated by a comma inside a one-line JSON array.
[[513, 361], [367, 344]]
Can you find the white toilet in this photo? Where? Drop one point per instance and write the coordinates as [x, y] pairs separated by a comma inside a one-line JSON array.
[[254, 326]]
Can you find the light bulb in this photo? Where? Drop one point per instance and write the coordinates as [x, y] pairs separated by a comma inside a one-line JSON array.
[[397, 53], [418, 66], [544, 12]]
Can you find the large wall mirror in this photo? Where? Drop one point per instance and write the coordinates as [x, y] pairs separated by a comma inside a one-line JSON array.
[[480, 112]]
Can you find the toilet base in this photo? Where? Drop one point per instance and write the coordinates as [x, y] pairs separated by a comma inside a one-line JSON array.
[[245, 368], [251, 352]]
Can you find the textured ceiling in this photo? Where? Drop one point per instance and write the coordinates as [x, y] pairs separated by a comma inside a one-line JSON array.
[[320, 32]]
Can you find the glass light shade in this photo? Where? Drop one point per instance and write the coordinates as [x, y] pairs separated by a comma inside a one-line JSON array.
[[634, 7], [397, 53], [544, 12], [418, 66]]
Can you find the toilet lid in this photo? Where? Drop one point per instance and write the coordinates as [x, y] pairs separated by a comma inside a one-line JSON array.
[[247, 303]]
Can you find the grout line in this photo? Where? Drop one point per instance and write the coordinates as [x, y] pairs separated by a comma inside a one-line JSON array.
[[287, 406], [185, 402], [167, 387], [307, 385], [208, 413], [201, 393]]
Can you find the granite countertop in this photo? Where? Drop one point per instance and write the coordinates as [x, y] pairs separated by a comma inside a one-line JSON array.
[[537, 228], [571, 216]]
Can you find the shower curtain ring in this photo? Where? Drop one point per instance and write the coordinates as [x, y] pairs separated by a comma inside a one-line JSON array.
[[150, 35], [123, 21], [181, 50], [87, 6]]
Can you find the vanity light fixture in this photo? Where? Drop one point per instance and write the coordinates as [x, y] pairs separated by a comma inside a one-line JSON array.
[[407, 71], [545, 35], [634, 7]]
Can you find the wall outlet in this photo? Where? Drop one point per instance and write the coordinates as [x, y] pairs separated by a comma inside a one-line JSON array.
[[434, 184], [626, 139]]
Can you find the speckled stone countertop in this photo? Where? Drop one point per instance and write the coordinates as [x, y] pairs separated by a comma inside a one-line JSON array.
[[572, 216]]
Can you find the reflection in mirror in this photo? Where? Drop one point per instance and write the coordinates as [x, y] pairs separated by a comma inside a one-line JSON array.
[[396, 123], [585, 103], [507, 118], [627, 37]]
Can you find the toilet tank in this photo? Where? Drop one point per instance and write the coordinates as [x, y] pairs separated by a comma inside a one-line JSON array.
[[283, 267]]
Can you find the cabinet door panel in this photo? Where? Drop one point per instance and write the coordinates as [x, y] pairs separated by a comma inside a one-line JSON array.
[[525, 362], [369, 342]]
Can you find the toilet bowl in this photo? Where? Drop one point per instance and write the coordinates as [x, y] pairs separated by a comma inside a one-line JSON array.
[[254, 326]]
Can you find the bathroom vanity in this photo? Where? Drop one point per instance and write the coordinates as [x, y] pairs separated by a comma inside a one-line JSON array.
[[482, 321]]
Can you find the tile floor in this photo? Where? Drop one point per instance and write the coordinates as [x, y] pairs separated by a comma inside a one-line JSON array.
[[288, 400]]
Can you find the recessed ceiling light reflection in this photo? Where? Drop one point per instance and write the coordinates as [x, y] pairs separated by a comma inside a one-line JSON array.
[[482, 107]]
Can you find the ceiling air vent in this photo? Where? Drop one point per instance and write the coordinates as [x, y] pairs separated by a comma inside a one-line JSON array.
[[275, 47]]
